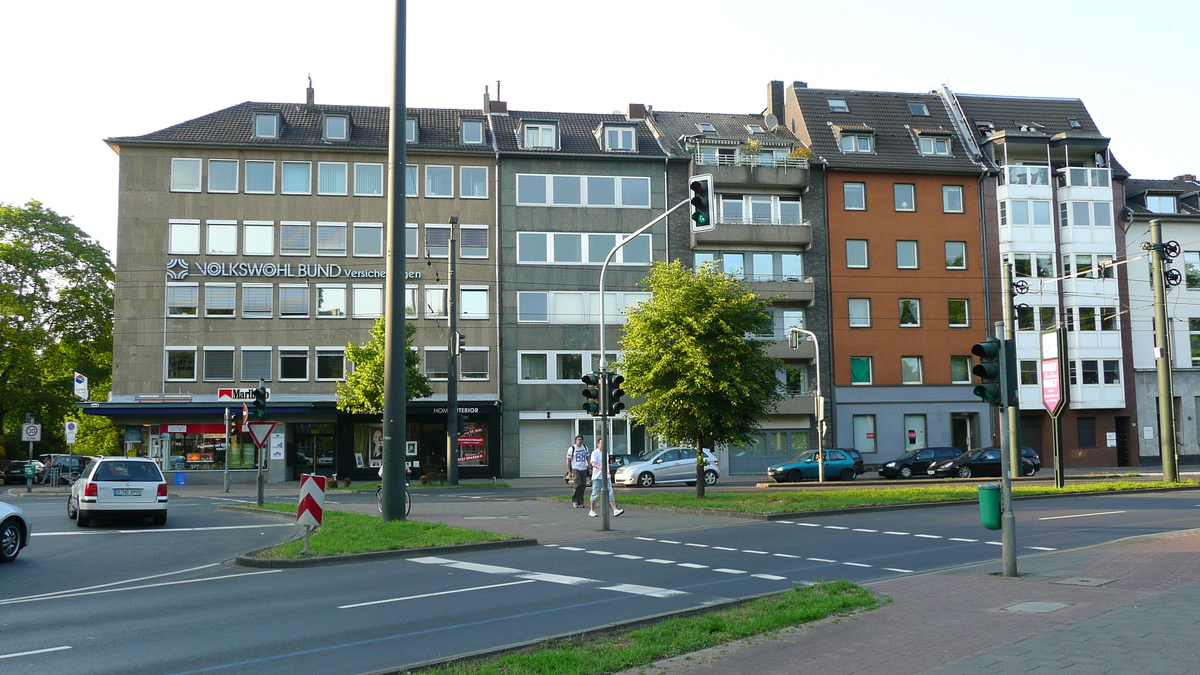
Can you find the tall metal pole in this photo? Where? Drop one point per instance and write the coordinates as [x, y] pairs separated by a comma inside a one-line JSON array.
[[259, 450], [228, 449], [1008, 520], [31, 477], [452, 368], [395, 349], [1162, 358], [819, 404]]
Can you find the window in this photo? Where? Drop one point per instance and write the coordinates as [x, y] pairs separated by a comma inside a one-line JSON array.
[[295, 238], [221, 237], [958, 312], [256, 364], [410, 130], [473, 241], [331, 178], [220, 300], [905, 196], [533, 367], [368, 180], [297, 178], [182, 299], [837, 105], [437, 241], [860, 370], [368, 302], [592, 191], [181, 363], [472, 132], [540, 136], [410, 181], [1045, 265], [218, 364], [331, 239], [1091, 371], [1024, 317], [1029, 372], [266, 125], [184, 237], [185, 175], [1160, 204], [952, 199], [1022, 265], [222, 175], [1087, 318], [956, 255], [856, 142], [439, 181], [533, 307], [260, 177], [331, 364], [368, 239], [580, 248], [860, 312], [1048, 317], [293, 363], [258, 238], [473, 303], [331, 301], [473, 364], [918, 108], [910, 312], [1108, 318], [906, 255], [1112, 372], [293, 301], [856, 253], [568, 366], [435, 302], [864, 433], [337, 127], [960, 370], [619, 139], [411, 293], [258, 301], [911, 370], [795, 381], [1191, 268], [410, 241], [473, 182], [855, 196], [706, 127], [935, 145]]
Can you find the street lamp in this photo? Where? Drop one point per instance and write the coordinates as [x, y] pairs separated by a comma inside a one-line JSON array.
[[794, 334]]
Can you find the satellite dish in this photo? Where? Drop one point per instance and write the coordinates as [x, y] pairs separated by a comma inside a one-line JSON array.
[[771, 121], [1099, 160]]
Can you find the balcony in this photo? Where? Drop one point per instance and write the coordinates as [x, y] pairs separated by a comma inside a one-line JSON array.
[[773, 232], [778, 348], [795, 289], [1078, 183], [802, 404], [1024, 182], [763, 170]]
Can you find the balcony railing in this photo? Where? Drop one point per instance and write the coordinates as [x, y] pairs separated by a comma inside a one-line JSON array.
[[1025, 175], [776, 278], [733, 220], [767, 160], [1083, 177]]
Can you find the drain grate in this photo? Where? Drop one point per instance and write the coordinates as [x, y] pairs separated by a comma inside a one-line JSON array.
[[1083, 581], [1037, 607]]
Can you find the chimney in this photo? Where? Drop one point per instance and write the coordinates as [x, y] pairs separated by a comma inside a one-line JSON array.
[[311, 96], [800, 85], [497, 106], [637, 111], [775, 100], [487, 101], [1186, 176]]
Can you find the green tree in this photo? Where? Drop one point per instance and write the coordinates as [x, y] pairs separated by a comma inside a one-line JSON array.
[[56, 300], [686, 354], [362, 391]]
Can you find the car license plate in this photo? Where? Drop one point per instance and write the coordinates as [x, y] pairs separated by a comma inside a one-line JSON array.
[[127, 492], [931, 472]]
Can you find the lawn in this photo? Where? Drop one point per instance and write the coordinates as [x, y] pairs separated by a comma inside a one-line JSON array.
[[343, 532], [614, 652], [373, 486]]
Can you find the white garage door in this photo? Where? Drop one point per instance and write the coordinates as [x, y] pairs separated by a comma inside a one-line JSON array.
[[544, 447]]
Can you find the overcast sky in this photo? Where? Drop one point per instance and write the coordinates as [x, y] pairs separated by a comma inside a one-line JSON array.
[[75, 72]]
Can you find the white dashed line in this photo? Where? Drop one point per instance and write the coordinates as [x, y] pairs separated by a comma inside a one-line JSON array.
[[694, 566], [969, 541], [901, 534], [784, 555], [646, 538], [772, 577], [824, 560], [789, 522], [755, 552], [1082, 515], [928, 536], [863, 529], [571, 548], [600, 552], [660, 561], [856, 564], [994, 543], [697, 545], [897, 569], [723, 548], [550, 545], [627, 556], [836, 527], [726, 570], [808, 524], [1041, 548], [35, 651], [667, 541]]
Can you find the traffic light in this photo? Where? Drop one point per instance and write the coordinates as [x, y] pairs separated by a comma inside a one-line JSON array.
[[459, 342], [234, 425], [260, 403], [591, 395], [989, 370], [701, 202], [615, 392]]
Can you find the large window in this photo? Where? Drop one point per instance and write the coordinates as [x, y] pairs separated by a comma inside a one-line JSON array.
[[864, 433], [218, 364], [368, 180], [184, 237], [910, 312], [575, 307], [569, 248], [368, 239], [592, 191], [222, 175], [260, 177], [533, 307], [297, 178], [952, 198], [185, 175], [533, 368], [473, 303], [182, 299], [258, 238], [368, 302], [1025, 212], [860, 370], [181, 363], [860, 312], [439, 181], [856, 253], [905, 196], [331, 178], [473, 182], [258, 301], [221, 237], [220, 300]]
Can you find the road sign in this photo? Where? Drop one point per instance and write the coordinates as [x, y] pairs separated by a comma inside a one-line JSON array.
[[312, 500], [81, 386], [260, 432], [1051, 367], [72, 428], [31, 432]]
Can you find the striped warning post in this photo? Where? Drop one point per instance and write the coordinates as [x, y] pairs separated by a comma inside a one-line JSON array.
[[312, 500]]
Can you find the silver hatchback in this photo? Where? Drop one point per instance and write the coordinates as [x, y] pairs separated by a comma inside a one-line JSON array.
[[668, 465]]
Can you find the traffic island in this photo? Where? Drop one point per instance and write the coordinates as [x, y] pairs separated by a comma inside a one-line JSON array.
[[345, 537]]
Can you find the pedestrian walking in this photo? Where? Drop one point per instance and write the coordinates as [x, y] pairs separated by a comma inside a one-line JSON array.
[[599, 474], [577, 466]]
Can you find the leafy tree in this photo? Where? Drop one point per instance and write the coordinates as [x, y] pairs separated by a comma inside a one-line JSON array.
[[685, 352], [362, 391], [56, 297]]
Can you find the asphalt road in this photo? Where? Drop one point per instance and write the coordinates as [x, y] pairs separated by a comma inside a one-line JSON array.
[[364, 617]]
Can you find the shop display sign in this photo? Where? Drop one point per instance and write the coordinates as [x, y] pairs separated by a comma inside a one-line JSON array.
[[239, 394]]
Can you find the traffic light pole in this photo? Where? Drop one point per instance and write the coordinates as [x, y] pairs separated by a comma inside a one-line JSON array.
[[819, 411], [1008, 520], [1162, 358], [228, 449], [259, 478], [452, 367]]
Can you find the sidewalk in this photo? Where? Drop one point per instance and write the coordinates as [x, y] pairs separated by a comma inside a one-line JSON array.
[[1130, 606]]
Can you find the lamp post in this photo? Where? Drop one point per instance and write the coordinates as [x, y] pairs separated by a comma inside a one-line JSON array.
[[794, 334]]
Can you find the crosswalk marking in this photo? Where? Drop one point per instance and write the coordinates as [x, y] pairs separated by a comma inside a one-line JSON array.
[[651, 591]]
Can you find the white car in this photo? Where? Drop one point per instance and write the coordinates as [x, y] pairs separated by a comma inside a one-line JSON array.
[[14, 532], [118, 486], [669, 465]]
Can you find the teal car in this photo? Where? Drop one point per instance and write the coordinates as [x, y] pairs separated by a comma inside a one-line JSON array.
[[837, 465]]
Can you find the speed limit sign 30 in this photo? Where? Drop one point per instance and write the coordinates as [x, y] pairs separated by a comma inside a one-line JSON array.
[[31, 432]]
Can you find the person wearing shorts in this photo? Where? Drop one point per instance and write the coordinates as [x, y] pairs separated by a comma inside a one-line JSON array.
[[598, 472]]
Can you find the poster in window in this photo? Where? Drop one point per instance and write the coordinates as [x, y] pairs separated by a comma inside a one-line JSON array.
[[376, 446]]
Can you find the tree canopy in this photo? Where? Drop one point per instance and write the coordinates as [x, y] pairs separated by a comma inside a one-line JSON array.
[[362, 391], [687, 354]]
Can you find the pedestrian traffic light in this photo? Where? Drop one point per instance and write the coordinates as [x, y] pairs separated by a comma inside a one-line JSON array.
[[591, 395], [989, 370], [234, 425], [701, 202], [460, 341], [612, 383], [260, 403]]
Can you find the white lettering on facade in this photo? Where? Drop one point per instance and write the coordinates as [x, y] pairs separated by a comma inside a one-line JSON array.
[[177, 269]]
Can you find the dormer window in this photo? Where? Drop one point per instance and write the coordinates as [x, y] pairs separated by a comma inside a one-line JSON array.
[[337, 127], [540, 136], [755, 129], [1074, 123], [706, 127], [857, 142], [410, 130], [266, 125], [1160, 203], [838, 105], [935, 145], [918, 109], [620, 139], [472, 132]]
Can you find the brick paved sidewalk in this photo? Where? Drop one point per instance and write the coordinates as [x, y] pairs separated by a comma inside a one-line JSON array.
[[1142, 619]]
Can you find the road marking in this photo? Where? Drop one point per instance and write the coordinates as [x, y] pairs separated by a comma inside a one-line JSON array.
[[785, 555], [1041, 548], [430, 595], [969, 541], [660, 561], [570, 548], [902, 534], [856, 564], [643, 590], [789, 522], [667, 541], [14, 601], [646, 538], [35, 651], [994, 543], [697, 545], [928, 536], [726, 570], [557, 578], [548, 577], [863, 529], [897, 569], [627, 556], [723, 548], [162, 530], [550, 545], [694, 566], [115, 583], [836, 527], [809, 524], [772, 577], [1082, 515], [754, 552], [600, 552], [824, 560]]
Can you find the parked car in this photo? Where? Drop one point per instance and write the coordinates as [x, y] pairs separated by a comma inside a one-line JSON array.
[[14, 472], [119, 486], [14, 532], [978, 462], [668, 465], [69, 467], [838, 464], [916, 462], [615, 462], [860, 467]]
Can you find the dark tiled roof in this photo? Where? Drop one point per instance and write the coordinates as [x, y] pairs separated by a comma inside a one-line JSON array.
[[437, 128], [897, 147], [577, 133], [730, 128], [1184, 191]]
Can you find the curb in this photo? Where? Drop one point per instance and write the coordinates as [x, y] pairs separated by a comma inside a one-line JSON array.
[[323, 561]]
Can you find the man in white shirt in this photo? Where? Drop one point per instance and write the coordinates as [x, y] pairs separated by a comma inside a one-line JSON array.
[[598, 474], [577, 466]]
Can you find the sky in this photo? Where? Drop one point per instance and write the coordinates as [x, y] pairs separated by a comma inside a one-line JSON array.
[[78, 71]]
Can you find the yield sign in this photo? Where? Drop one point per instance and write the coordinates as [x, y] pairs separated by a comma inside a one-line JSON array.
[[260, 432]]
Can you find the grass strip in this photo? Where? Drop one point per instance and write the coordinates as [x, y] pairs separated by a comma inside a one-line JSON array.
[[617, 651], [777, 501], [343, 532], [418, 486]]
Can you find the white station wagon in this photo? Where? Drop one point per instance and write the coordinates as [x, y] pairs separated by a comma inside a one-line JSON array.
[[118, 486]]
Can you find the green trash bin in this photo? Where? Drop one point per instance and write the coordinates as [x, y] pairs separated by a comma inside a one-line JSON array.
[[989, 506]]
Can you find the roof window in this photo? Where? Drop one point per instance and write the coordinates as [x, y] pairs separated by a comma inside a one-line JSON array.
[[838, 105], [918, 108], [706, 127], [337, 127], [543, 135], [410, 130], [1074, 123], [755, 129], [266, 125], [472, 132]]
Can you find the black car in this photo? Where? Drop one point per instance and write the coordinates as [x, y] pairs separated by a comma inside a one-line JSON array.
[[69, 467], [978, 462], [14, 472], [860, 467], [916, 462]]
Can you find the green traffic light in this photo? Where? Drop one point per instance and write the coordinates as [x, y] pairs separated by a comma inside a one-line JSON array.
[[987, 392]]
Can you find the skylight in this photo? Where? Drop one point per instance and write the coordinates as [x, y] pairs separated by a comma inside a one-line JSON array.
[[755, 129], [706, 127], [838, 105], [918, 108], [1074, 123]]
